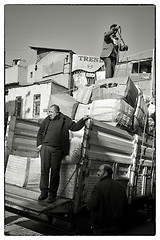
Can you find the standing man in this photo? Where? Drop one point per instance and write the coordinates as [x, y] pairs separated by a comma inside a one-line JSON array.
[[108, 203], [53, 144], [110, 50]]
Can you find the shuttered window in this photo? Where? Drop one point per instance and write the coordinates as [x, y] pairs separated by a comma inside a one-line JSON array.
[[36, 105], [18, 106]]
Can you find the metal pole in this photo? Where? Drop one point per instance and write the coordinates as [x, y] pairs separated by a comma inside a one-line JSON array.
[[121, 37]]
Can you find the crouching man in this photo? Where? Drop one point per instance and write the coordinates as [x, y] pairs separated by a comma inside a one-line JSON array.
[[108, 204]]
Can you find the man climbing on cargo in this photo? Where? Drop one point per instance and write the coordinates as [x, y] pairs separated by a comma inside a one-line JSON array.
[[108, 204], [111, 48], [53, 144]]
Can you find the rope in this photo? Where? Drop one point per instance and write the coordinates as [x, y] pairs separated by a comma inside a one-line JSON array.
[[54, 204], [78, 165]]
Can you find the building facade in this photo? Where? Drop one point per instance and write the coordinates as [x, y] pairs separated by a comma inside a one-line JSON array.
[[28, 91], [140, 68]]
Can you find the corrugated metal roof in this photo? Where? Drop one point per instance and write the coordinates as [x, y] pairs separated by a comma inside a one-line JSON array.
[[51, 49]]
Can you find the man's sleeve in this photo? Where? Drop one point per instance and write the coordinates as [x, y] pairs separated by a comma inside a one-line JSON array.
[[93, 202], [73, 126], [40, 134], [108, 34]]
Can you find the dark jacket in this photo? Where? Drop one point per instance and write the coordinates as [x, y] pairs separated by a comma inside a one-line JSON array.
[[108, 203], [67, 124], [109, 49]]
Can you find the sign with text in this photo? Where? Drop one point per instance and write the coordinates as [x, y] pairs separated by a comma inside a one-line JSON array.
[[86, 63]]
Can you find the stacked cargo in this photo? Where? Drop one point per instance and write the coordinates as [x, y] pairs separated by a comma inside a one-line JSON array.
[[116, 101], [65, 102], [112, 111]]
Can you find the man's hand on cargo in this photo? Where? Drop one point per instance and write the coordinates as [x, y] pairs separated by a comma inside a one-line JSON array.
[[39, 147]]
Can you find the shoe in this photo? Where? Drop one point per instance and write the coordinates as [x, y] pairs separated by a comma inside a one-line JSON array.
[[51, 199], [42, 196]]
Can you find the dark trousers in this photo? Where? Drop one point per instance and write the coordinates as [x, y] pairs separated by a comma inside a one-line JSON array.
[[51, 158], [109, 64]]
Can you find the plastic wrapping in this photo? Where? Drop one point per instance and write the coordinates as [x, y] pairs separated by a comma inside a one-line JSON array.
[[112, 110], [82, 110], [83, 94]]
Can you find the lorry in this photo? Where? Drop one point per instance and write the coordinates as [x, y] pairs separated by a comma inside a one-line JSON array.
[[131, 156]]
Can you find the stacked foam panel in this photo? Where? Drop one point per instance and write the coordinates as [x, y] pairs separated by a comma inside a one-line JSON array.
[[112, 111]]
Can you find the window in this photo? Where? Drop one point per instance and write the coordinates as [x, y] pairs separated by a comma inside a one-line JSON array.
[[135, 67], [36, 105], [18, 106], [31, 74], [142, 67], [66, 60], [145, 67], [90, 81]]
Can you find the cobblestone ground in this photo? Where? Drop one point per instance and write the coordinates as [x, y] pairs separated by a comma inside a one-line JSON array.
[[16, 225], [13, 226]]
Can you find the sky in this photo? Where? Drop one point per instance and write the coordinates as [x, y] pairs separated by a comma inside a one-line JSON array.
[[79, 28]]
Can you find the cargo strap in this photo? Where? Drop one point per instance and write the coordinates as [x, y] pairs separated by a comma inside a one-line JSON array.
[[78, 165]]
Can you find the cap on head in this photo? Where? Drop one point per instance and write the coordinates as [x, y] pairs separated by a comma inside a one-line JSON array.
[[113, 26], [107, 168]]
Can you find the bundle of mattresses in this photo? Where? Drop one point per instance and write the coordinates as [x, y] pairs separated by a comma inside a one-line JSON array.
[[116, 101], [112, 111], [76, 139], [125, 105]]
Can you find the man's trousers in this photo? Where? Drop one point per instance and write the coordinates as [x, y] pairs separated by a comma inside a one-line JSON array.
[[109, 63], [51, 158]]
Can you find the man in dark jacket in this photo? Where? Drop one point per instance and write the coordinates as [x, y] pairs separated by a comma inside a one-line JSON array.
[[53, 144], [110, 50], [108, 204]]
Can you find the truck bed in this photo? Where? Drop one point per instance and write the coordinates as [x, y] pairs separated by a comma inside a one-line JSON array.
[[130, 155], [24, 201]]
